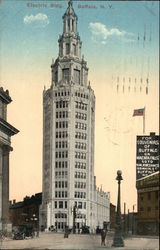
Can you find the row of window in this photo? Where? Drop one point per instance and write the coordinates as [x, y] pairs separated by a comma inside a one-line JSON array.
[[60, 215], [62, 114], [80, 135], [80, 165], [67, 93], [62, 93], [80, 216], [80, 125], [148, 208], [60, 204], [80, 195], [61, 184], [61, 194], [61, 144], [63, 134], [80, 185], [68, 46], [63, 154], [80, 204], [61, 174], [61, 164], [80, 175], [80, 145], [60, 225], [81, 105], [81, 116], [81, 95], [62, 104], [153, 194], [80, 155], [63, 124]]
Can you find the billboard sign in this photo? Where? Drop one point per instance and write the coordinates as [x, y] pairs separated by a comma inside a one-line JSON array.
[[147, 156]]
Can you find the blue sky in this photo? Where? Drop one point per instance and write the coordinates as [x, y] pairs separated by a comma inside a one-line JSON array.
[[33, 40]]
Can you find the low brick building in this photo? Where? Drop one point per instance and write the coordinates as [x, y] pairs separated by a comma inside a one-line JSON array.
[[26, 211], [148, 205]]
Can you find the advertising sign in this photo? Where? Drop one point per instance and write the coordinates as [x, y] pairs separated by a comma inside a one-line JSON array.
[[147, 157]]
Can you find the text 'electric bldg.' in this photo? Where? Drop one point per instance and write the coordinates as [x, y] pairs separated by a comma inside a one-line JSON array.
[[68, 140]]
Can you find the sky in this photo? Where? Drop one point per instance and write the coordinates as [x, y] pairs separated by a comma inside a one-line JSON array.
[[120, 39]]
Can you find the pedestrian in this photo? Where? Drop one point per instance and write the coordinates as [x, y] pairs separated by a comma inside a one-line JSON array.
[[103, 237]]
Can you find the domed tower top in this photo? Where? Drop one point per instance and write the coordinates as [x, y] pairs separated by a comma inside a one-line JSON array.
[[70, 19]]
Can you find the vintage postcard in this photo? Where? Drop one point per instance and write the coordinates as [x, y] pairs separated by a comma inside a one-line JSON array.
[[79, 124]]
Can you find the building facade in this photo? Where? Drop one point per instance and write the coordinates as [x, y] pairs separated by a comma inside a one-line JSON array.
[[26, 211], [68, 138], [148, 204], [6, 131]]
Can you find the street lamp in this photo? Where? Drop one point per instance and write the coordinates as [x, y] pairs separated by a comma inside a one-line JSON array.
[[118, 240], [74, 218]]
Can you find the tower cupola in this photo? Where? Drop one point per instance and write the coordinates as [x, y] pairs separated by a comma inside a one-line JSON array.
[[70, 20]]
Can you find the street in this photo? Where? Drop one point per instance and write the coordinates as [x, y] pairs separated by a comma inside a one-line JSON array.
[[57, 241]]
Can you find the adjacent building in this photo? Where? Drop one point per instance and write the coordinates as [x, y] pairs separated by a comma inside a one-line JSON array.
[[68, 139], [26, 211], [148, 204], [6, 131], [147, 184]]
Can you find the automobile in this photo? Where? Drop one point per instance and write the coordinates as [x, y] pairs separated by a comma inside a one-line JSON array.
[[23, 231], [85, 229]]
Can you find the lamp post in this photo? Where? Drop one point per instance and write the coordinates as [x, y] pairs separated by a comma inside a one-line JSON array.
[[118, 240], [74, 218]]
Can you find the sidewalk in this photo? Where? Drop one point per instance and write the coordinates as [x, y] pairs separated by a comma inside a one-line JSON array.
[[52, 241]]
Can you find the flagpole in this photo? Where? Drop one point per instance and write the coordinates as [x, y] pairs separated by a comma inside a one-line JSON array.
[[144, 120]]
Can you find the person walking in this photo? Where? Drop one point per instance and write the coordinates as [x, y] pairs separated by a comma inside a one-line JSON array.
[[103, 237]]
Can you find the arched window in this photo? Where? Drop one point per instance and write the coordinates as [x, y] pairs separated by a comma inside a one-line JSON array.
[[67, 48], [74, 49]]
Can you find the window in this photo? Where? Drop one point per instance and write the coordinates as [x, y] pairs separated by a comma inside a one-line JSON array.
[[74, 49], [60, 204], [77, 76], [56, 76], [149, 209], [65, 204], [80, 205], [72, 25], [67, 48], [141, 197], [55, 204], [68, 24], [65, 73], [149, 196]]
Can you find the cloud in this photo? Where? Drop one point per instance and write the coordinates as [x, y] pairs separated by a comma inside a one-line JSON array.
[[100, 33], [40, 19]]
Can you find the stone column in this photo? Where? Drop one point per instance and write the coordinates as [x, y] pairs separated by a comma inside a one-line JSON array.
[[5, 186], [1, 163]]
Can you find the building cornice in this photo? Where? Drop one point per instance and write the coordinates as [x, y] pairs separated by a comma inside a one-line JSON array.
[[4, 96], [7, 128]]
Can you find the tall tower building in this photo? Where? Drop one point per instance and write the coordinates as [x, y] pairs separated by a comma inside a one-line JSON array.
[[68, 136]]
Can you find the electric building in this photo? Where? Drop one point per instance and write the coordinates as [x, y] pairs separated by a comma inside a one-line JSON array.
[[68, 139]]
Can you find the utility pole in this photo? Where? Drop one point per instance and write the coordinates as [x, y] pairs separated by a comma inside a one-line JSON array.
[[128, 221], [124, 218]]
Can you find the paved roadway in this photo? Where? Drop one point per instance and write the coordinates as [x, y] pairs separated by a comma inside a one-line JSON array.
[[54, 241]]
